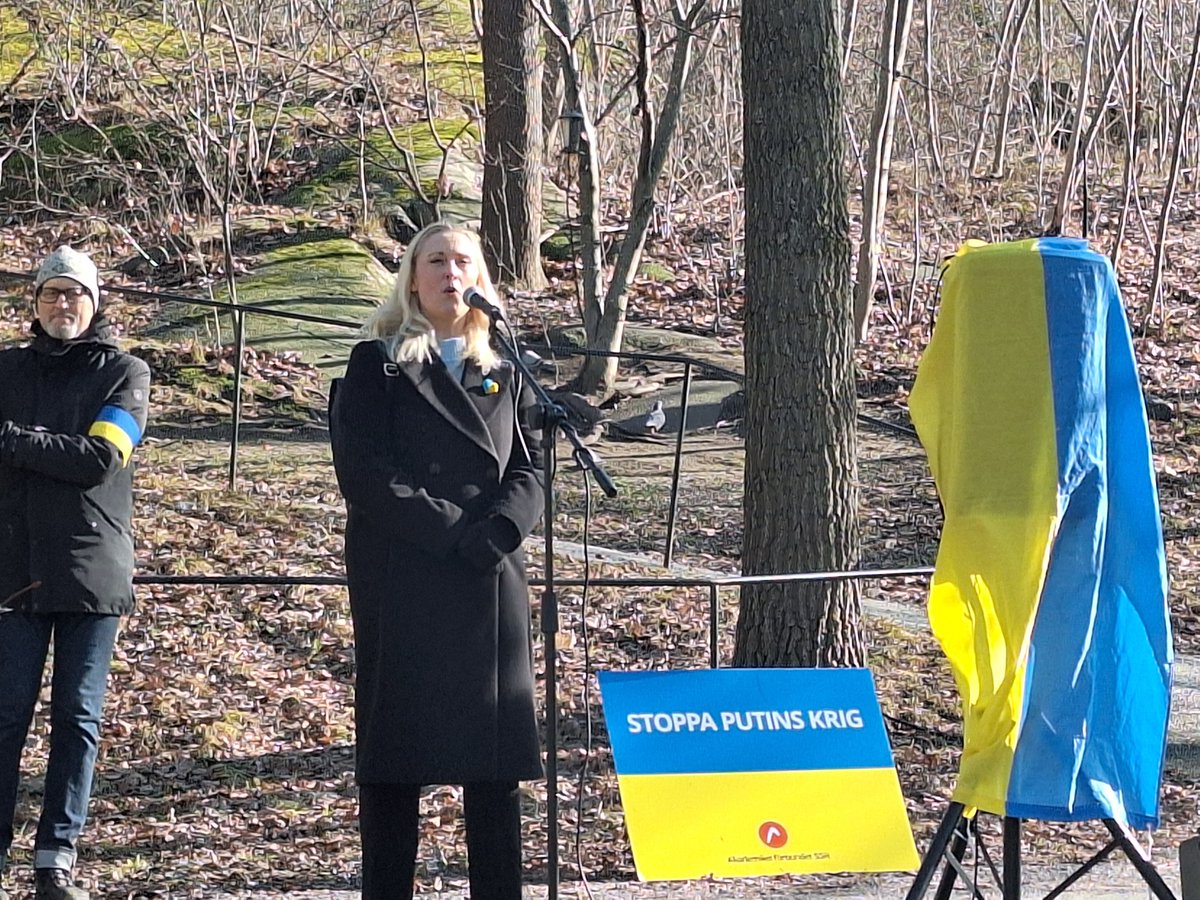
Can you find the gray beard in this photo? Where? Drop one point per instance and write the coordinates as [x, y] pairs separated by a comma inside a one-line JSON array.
[[64, 331]]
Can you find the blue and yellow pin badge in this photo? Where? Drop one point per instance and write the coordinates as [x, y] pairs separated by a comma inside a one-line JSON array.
[[490, 386]]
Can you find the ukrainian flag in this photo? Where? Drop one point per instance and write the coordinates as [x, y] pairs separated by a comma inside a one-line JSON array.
[[1049, 596]]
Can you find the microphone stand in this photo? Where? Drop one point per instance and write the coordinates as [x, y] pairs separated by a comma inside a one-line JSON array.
[[554, 419]]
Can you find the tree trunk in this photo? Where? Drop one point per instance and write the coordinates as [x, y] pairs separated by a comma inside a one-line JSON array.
[[800, 494], [893, 46], [989, 97], [1066, 187], [849, 24], [1164, 220], [931, 119], [1014, 53], [606, 330], [512, 148], [553, 98], [1124, 52], [558, 24], [1133, 120]]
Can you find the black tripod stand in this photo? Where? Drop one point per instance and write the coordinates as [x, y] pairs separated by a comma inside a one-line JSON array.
[[949, 845], [553, 420]]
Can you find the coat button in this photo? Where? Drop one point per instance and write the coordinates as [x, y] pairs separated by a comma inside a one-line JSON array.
[[435, 469]]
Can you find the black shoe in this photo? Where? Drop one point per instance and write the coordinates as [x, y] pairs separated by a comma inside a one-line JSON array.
[[56, 884]]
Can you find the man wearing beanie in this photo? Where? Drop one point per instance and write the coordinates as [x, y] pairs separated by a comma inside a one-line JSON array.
[[72, 410]]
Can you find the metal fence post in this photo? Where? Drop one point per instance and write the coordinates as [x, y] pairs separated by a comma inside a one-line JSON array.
[[239, 346], [714, 621], [683, 411]]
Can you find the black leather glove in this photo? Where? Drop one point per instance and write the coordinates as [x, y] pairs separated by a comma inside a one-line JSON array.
[[485, 543]]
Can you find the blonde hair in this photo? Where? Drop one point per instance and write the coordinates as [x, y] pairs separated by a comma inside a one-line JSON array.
[[399, 321]]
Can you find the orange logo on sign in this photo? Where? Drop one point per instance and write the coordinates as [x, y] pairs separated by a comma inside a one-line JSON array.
[[772, 834]]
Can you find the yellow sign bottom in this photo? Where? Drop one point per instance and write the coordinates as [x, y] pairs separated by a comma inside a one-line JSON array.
[[767, 823]]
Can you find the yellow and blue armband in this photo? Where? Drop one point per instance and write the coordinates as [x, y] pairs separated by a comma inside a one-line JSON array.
[[119, 428]]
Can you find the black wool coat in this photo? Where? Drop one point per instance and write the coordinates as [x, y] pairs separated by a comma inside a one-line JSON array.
[[444, 670]]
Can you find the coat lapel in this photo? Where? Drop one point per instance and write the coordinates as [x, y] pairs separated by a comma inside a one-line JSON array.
[[451, 401], [487, 392]]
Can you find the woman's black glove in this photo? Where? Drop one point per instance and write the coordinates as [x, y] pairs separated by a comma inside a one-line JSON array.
[[485, 543]]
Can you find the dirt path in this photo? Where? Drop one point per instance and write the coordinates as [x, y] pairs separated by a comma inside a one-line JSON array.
[[1114, 880]]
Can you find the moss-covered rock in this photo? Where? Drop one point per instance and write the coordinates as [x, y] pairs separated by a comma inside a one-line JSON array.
[[118, 142], [446, 16], [332, 275], [455, 71], [655, 271], [646, 339], [145, 38], [333, 278], [16, 43], [559, 246], [388, 180], [97, 162], [92, 165]]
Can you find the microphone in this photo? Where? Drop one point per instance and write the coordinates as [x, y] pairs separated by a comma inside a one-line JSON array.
[[475, 299]]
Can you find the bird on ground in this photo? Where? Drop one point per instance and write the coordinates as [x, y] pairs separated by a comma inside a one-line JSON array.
[[655, 419], [533, 361], [733, 409], [733, 412]]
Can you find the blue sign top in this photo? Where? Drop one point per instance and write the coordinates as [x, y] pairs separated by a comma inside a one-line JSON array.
[[743, 720]]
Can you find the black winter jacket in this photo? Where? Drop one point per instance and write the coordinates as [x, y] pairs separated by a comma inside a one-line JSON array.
[[71, 413]]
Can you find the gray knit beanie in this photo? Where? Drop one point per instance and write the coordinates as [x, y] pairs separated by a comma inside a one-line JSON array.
[[66, 262]]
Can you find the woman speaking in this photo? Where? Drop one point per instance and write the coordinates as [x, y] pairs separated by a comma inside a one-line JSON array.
[[442, 478]]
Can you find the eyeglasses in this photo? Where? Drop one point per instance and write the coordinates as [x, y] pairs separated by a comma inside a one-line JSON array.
[[53, 296]]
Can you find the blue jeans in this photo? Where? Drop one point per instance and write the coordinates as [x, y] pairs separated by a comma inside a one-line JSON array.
[[83, 646]]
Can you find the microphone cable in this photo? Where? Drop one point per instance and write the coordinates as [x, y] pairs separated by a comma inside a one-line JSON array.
[[587, 574], [587, 679], [587, 656]]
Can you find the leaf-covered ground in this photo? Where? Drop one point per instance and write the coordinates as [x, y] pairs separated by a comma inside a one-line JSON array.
[[227, 755]]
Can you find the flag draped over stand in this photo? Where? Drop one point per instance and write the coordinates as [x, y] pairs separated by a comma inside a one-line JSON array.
[[1049, 595]]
